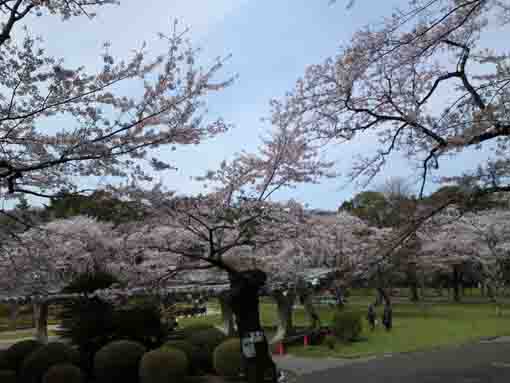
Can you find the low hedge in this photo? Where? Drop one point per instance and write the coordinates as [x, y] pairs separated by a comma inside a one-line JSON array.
[[163, 365], [228, 359]]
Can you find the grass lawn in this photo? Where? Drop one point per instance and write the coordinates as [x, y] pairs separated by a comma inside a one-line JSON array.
[[420, 327], [416, 326], [21, 334]]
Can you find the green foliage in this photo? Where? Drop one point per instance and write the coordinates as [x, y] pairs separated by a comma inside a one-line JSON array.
[[347, 325], [88, 322], [228, 359], [8, 376], [371, 206], [330, 342], [118, 362], [163, 365], [18, 352], [141, 323], [100, 204], [205, 342], [185, 347], [63, 373], [37, 363], [4, 365]]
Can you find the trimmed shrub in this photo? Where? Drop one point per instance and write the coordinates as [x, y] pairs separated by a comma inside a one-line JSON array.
[[205, 342], [88, 322], [163, 365], [347, 325], [140, 323], [37, 363], [4, 365], [118, 362], [8, 376], [63, 373], [17, 353], [330, 342], [228, 359], [185, 347]]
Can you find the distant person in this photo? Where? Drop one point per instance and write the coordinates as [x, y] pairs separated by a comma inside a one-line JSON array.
[[388, 317], [371, 316]]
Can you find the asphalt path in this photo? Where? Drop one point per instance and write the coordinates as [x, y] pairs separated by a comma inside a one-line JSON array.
[[487, 362]]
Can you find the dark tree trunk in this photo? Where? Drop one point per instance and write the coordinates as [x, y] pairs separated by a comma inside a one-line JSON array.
[[245, 288], [313, 317], [227, 315], [413, 282], [383, 296], [285, 304], [456, 283], [42, 322]]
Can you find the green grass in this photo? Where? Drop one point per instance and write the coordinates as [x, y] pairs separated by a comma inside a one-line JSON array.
[[21, 334], [416, 326], [419, 327]]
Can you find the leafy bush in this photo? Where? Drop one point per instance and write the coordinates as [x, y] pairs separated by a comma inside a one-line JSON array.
[[8, 376], [4, 365], [330, 342], [38, 362], [163, 365], [16, 354], [141, 323], [118, 362], [63, 373], [88, 322], [347, 325], [228, 359], [205, 342], [185, 347]]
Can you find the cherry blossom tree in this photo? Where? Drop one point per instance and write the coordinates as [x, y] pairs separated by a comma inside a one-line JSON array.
[[480, 238], [43, 260], [106, 132], [226, 227], [425, 81]]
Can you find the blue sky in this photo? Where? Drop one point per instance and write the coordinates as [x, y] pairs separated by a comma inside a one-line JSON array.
[[271, 43]]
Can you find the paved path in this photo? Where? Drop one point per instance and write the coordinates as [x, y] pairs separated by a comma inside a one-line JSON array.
[[487, 362]]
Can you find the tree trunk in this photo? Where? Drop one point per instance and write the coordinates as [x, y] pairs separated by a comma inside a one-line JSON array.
[[41, 322], [245, 287], [490, 292], [456, 283], [285, 304], [227, 315], [413, 282], [313, 317], [382, 296], [13, 315]]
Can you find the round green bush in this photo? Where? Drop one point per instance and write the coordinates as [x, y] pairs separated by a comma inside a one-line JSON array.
[[118, 362], [163, 365], [347, 325], [205, 342], [185, 347], [228, 359], [37, 363], [4, 365], [8, 376], [330, 342], [63, 373], [16, 354]]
